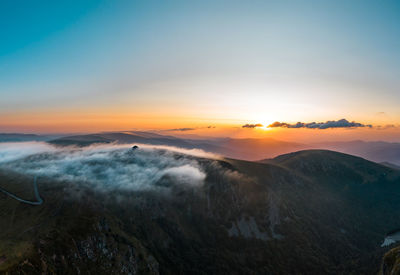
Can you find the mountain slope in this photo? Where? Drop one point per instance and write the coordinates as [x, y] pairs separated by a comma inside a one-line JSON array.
[[378, 151], [312, 212], [330, 165], [15, 137], [123, 138]]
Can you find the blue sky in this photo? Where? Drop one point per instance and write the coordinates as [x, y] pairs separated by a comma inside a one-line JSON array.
[[237, 60]]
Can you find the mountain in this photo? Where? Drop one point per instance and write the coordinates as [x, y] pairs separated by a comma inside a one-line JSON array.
[[330, 165], [255, 149], [378, 151], [14, 137], [248, 149], [308, 212], [81, 140], [121, 137], [391, 165]]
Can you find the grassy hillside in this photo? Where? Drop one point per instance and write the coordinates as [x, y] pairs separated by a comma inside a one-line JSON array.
[[312, 212]]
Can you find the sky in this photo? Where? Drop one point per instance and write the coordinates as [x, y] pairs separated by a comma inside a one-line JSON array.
[[82, 66]]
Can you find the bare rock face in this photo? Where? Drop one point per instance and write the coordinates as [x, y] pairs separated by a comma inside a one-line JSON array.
[[101, 249], [391, 262]]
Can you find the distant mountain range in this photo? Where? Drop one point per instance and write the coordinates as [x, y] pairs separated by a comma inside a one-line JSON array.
[[308, 212], [15, 137], [247, 149], [377, 151]]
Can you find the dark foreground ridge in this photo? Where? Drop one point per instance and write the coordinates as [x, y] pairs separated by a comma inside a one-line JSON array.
[[38, 201], [315, 212]]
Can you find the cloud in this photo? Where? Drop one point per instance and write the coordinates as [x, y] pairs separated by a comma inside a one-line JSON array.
[[342, 123], [10, 151], [277, 124], [190, 129], [182, 129], [186, 173], [109, 166], [251, 126], [385, 127]]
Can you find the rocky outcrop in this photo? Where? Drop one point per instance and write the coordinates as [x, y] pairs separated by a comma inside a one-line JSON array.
[[391, 262]]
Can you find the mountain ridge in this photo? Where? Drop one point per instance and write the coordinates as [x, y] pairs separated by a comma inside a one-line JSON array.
[[252, 149], [249, 217]]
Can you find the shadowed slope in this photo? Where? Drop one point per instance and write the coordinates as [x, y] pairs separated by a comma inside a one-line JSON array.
[[310, 212]]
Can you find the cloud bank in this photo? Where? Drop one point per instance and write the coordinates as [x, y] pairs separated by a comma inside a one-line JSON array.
[[10, 151], [110, 166], [342, 123]]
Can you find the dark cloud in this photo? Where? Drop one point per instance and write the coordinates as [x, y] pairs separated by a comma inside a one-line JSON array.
[[252, 125], [182, 129], [385, 127], [342, 123], [190, 129], [278, 124]]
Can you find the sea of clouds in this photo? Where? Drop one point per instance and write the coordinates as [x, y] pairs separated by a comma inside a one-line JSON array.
[[109, 166]]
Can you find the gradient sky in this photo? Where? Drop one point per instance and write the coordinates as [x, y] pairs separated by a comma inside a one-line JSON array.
[[118, 65]]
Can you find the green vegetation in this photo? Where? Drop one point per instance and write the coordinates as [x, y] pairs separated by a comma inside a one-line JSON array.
[[313, 212]]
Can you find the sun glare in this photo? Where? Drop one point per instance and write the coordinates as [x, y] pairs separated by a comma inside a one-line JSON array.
[[265, 127]]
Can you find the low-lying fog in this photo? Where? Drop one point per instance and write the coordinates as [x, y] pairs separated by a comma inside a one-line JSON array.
[[391, 239], [107, 166]]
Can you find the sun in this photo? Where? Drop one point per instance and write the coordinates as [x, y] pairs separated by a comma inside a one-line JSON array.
[[265, 127], [261, 119], [265, 124]]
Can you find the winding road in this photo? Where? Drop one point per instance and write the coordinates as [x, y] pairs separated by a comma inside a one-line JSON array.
[[37, 195]]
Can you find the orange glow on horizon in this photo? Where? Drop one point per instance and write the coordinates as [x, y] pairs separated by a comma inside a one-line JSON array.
[[90, 121]]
